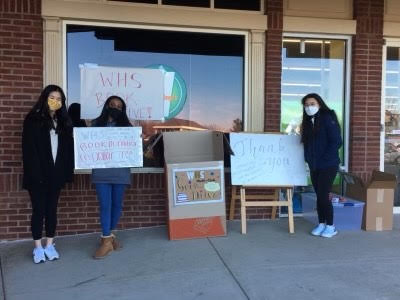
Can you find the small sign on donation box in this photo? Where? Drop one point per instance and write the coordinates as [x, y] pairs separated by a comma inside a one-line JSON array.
[[108, 147], [197, 185]]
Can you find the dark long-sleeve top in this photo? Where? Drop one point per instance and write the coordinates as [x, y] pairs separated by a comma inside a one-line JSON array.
[[39, 166], [321, 149], [111, 175]]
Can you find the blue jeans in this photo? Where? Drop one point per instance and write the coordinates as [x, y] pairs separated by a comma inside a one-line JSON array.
[[110, 198]]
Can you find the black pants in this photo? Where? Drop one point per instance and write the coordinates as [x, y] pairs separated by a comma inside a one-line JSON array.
[[322, 181], [44, 200]]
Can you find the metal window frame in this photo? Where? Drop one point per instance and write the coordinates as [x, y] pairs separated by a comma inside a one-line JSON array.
[[389, 42], [347, 84], [246, 61]]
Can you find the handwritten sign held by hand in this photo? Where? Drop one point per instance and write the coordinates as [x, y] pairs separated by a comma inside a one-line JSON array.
[[108, 147], [267, 159]]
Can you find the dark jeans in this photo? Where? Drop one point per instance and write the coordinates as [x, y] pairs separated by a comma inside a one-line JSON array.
[[44, 200], [322, 181], [110, 198]]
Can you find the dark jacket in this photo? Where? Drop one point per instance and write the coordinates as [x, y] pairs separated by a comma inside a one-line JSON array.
[[322, 145], [39, 167]]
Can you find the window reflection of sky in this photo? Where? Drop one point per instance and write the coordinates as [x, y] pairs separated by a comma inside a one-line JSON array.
[[301, 76], [214, 83], [304, 75], [392, 112], [392, 90]]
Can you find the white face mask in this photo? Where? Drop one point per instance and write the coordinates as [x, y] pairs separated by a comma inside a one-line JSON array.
[[311, 110]]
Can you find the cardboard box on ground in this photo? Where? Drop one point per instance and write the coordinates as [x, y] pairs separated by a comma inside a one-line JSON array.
[[194, 170], [378, 195]]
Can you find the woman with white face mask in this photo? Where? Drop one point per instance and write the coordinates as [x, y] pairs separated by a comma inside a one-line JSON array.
[[47, 148], [322, 139]]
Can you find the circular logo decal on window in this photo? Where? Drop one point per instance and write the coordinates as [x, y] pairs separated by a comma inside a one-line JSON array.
[[174, 91]]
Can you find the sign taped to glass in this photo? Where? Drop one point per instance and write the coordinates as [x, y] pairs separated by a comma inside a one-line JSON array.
[[141, 89]]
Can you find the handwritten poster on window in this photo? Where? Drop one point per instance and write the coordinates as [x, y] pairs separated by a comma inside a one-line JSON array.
[[108, 147], [141, 89], [198, 185], [267, 159]]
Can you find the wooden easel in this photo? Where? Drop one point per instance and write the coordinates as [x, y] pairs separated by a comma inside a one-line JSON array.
[[273, 201]]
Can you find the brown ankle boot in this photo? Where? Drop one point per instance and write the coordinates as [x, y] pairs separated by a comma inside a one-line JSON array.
[[106, 247], [117, 245]]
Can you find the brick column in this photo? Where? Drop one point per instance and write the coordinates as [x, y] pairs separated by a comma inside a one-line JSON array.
[[366, 81], [273, 65], [21, 73]]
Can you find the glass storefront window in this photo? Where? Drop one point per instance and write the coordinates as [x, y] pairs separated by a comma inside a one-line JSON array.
[[312, 65], [208, 67], [392, 114]]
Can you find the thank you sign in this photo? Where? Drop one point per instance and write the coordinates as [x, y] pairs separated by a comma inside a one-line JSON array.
[[267, 159], [108, 147]]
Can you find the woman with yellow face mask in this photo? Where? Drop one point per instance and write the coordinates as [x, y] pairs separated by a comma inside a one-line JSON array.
[[47, 148]]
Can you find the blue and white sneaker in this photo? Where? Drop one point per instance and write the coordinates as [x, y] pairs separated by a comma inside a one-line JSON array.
[[38, 255], [329, 231], [319, 229], [51, 252]]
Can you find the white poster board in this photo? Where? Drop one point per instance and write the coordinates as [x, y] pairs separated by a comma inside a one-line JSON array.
[[141, 89], [108, 147], [267, 159]]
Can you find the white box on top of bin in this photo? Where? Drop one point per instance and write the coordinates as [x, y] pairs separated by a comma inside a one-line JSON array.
[[347, 215], [194, 163], [378, 195]]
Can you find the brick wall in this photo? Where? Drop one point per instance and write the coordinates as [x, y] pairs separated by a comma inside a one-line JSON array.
[[21, 58], [21, 81], [144, 205], [21, 77], [21, 65], [273, 73], [365, 114], [273, 65]]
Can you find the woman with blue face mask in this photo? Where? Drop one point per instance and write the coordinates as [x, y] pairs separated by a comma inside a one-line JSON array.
[[321, 138]]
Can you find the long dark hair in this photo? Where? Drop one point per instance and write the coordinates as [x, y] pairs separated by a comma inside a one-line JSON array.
[[307, 128], [102, 120], [41, 112]]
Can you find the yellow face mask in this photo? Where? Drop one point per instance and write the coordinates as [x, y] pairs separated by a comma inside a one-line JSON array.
[[54, 104]]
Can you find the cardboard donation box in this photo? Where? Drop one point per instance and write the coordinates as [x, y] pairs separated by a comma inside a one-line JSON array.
[[378, 196], [196, 186]]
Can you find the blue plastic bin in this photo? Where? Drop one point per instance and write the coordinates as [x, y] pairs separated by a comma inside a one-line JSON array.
[[346, 215], [297, 207]]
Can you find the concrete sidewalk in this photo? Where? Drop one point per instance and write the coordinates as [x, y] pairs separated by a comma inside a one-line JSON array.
[[266, 263]]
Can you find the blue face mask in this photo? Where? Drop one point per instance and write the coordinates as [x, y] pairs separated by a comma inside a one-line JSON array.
[[311, 110]]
